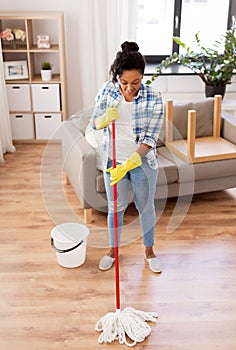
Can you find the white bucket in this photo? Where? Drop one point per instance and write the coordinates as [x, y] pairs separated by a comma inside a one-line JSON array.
[[69, 241]]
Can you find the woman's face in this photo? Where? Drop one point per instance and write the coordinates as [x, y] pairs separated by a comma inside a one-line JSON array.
[[130, 82]]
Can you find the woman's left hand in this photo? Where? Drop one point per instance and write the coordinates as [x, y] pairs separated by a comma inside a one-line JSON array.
[[121, 170]]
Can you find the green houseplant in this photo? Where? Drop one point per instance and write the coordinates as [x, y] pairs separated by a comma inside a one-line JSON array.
[[46, 70], [46, 65], [214, 69]]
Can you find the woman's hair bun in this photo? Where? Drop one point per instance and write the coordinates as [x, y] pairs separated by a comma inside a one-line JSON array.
[[129, 46]]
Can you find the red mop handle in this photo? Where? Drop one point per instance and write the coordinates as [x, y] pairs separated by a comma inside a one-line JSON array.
[[113, 136]]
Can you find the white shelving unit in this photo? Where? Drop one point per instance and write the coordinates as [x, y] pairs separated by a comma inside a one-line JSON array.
[[36, 106]]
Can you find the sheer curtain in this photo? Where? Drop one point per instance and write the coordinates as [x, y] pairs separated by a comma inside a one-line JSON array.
[[103, 26], [5, 127]]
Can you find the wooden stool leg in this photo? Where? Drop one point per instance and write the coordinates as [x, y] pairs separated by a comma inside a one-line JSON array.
[[88, 216], [169, 121], [191, 135], [217, 115]]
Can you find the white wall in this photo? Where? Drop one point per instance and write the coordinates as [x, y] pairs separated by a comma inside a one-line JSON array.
[[187, 87]]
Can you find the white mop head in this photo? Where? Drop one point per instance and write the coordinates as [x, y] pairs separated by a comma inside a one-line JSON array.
[[126, 323]]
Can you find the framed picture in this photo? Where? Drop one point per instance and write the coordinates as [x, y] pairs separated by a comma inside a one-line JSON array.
[[43, 41], [16, 70]]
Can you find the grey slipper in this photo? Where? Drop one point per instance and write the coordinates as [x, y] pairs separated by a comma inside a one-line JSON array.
[[106, 263], [154, 264]]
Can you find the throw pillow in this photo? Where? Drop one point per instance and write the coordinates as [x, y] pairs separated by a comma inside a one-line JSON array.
[[180, 118], [204, 118], [81, 119]]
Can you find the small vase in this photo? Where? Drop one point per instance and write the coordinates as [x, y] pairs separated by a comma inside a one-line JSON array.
[[211, 91], [14, 44]]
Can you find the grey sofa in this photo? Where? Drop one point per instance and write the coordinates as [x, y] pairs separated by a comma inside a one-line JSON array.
[[176, 177]]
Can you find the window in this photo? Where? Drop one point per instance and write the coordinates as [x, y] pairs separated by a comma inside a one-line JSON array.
[[155, 26], [160, 20]]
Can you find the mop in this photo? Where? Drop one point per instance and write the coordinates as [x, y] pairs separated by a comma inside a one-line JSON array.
[[128, 326]]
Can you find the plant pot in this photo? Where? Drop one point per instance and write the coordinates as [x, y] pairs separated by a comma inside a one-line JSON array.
[[211, 91], [46, 74]]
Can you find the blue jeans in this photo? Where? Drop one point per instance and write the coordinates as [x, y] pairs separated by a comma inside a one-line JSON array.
[[143, 181]]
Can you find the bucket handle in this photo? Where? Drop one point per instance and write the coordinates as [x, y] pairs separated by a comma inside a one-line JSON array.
[[64, 250]]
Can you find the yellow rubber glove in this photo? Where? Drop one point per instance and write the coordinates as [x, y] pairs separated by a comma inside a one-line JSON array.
[[121, 169], [105, 119]]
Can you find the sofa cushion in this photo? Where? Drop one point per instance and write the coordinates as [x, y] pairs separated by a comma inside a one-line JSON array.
[[167, 171], [200, 171], [204, 118], [215, 169]]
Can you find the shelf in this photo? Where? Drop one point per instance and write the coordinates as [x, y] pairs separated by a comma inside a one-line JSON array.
[[33, 48], [8, 48], [53, 48], [37, 79], [18, 81], [34, 23]]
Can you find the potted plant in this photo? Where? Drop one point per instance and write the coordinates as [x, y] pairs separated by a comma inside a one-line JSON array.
[[46, 70], [214, 69]]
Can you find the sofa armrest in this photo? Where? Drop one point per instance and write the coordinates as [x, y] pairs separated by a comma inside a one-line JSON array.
[[228, 127], [79, 163]]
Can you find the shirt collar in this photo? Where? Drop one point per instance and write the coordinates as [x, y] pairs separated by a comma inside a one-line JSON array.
[[142, 91]]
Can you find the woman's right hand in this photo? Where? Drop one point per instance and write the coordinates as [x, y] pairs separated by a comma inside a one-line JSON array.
[[110, 115]]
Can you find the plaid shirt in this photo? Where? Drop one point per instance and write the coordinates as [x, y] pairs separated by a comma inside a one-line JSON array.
[[147, 117]]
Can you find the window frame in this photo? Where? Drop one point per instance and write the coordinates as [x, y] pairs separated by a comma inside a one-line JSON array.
[[155, 59]]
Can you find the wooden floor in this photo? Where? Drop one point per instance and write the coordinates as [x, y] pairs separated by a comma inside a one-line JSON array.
[[44, 306]]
